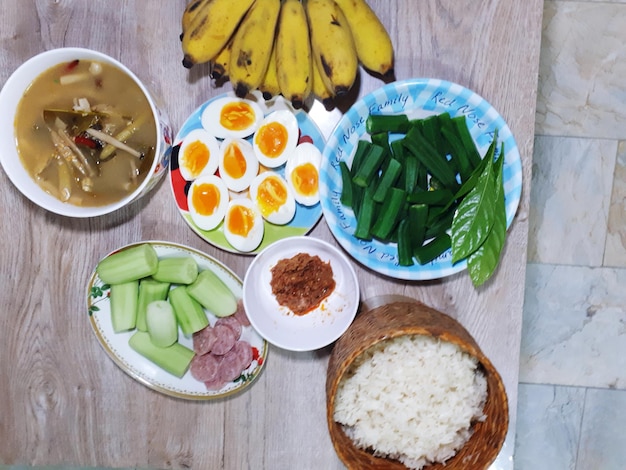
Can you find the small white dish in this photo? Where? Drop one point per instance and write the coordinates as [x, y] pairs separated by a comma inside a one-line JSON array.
[[278, 324]]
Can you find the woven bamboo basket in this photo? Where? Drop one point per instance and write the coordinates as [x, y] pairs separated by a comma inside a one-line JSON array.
[[406, 318]]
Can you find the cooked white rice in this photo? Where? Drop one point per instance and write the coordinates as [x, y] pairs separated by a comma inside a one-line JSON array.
[[412, 398]]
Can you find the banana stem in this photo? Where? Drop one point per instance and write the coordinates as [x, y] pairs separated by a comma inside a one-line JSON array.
[[104, 137]]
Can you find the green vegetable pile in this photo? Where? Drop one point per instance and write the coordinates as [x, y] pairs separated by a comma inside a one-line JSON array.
[[422, 184], [154, 296]]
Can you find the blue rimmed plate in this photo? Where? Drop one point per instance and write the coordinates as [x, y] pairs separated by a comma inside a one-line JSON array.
[[418, 98]]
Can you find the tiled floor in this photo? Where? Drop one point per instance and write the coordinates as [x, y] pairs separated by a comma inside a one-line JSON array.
[[572, 397]]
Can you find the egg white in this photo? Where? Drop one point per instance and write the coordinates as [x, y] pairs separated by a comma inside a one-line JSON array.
[[281, 117], [208, 221], [305, 153], [242, 182], [186, 166], [211, 118], [286, 211], [254, 236]]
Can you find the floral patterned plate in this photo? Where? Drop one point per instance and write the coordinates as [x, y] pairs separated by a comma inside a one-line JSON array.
[[144, 371]]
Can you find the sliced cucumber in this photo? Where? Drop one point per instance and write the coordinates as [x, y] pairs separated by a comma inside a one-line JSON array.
[[149, 291], [130, 264], [177, 270], [174, 359], [189, 313], [211, 292], [124, 298], [161, 323]]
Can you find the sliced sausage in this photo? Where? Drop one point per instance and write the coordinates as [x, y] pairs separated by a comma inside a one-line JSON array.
[[204, 340], [214, 384], [204, 367], [235, 361], [229, 367], [243, 349], [225, 339], [240, 314], [232, 323]]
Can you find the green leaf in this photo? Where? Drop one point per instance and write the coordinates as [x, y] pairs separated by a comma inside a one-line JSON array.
[[470, 183], [93, 309], [475, 214], [483, 262]]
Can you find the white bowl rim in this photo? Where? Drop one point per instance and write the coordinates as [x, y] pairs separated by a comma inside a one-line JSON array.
[[18, 81]]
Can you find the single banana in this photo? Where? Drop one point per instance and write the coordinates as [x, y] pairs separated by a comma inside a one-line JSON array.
[[220, 63], [252, 46], [373, 44], [211, 27], [320, 90], [189, 13], [332, 44], [269, 85], [293, 53]]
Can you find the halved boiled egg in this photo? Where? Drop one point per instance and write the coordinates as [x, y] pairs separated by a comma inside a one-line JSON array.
[[208, 200], [243, 225], [232, 117], [276, 138], [270, 193], [198, 154], [237, 164], [302, 173]]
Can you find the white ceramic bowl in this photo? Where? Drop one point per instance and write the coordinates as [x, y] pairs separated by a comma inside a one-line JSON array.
[[10, 96], [315, 329]]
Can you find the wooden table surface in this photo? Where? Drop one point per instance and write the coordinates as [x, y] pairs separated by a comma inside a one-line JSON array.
[[65, 402]]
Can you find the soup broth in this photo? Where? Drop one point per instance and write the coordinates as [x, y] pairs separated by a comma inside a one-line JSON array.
[[85, 132]]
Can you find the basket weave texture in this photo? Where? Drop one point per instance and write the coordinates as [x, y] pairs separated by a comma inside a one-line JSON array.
[[407, 318]]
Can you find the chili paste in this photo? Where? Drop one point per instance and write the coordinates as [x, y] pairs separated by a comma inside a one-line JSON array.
[[302, 282]]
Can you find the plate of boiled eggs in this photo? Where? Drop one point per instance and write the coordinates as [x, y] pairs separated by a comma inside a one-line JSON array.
[[244, 172]]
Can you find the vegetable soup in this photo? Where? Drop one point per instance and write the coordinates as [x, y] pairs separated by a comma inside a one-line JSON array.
[[85, 132]]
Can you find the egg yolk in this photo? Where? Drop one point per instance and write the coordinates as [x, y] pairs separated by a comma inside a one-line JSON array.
[[234, 162], [271, 195], [205, 198], [237, 116], [272, 139], [240, 220], [196, 157], [305, 179]]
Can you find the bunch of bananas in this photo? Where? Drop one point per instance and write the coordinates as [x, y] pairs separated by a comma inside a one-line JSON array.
[[295, 48]]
